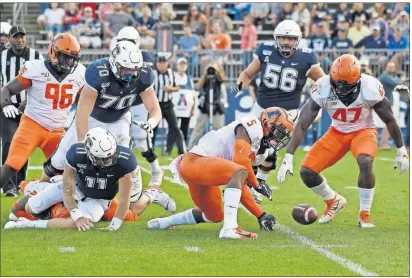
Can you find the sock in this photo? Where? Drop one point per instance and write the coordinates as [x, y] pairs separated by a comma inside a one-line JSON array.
[[261, 175], [182, 218], [366, 198], [324, 191], [231, 199], [154, 166], [39, 224]]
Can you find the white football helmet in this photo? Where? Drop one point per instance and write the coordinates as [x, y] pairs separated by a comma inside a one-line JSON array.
[[126, 61], [129, 33], [5, 28], [101, 147], [287, 28]]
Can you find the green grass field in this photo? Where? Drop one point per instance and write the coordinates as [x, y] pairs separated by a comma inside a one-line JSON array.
[[336, 249]]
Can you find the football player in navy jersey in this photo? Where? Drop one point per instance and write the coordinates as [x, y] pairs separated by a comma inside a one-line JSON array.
[[94, 172], [283, 71]]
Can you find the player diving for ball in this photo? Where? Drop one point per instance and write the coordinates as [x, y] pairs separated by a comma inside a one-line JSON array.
[[350, 99], [225, 157], [283, 71], [94, 172]]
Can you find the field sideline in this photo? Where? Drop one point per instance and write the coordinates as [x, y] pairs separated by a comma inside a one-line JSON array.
[[336, 249]]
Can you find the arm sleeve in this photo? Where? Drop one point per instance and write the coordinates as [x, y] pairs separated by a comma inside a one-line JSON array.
[[241, 153], [92, 77], [71, 157], [24, 74], [146, 78]]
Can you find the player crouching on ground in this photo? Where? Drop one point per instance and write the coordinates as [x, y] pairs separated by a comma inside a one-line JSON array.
[[225, 156], [95, 172], [350, 99]]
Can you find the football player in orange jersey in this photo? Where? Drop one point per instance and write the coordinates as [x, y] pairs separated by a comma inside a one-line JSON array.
[[51, 88], [350, 99]]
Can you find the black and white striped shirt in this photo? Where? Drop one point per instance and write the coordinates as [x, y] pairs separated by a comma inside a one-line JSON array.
[[10, 67], [164, 79]]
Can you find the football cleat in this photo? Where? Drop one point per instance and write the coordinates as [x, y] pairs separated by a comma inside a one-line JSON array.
[[19, 224], [13, 217], [154, 224], [332, 207], [156, 177], [236, 233], [161, 198], [364, 219]]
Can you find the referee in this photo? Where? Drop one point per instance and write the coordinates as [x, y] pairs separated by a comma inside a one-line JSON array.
[[11, 60], [165, 85]]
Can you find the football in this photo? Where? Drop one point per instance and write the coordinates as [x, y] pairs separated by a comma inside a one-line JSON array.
[[304, 214]]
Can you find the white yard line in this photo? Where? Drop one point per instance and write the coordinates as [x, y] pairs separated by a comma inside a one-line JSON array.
[[321, 249], [351, 187], [194, 249], [68, 249]]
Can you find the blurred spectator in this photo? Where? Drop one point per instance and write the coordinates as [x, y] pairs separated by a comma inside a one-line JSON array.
[[275, 10], [72, 17], [364, 63], [156, 11], [358, 31], [185, 99], [130, 10], [341, 24], [358, 11], [146, 26], [341, 43], [189, 44], [4, 36], [373, 41], [396, 44], [93, 6], [286, 12], [376, 20], [90, 30], [54, 18], [217, 41], [260, 12], [381, 11], [104, 10], [239, 10], [248, 40], [219, 13], [320, 14], [116, 21], [139, 9], [301, 16], [166, 15], [342, 14], [401, 21], [398, 8], [389, 80], [319, 42], [196, 21]]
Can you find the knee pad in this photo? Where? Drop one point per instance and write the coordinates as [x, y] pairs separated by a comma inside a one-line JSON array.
[[150, 155], [272, 160], [50, 170]]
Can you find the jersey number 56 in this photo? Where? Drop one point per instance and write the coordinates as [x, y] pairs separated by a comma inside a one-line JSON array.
[[287, 80]]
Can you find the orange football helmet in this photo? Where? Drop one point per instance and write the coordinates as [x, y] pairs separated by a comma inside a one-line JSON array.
[[277, 127], [64, 52], [345, 74]]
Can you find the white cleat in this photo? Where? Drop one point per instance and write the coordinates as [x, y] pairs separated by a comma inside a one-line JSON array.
[[154, 224], [19, 224], [13, 217], [156, 177], [364, 220], [161, 198], [332, 207], [236, 233]]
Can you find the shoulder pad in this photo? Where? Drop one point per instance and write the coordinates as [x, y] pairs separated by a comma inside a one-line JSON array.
[[372, 88], [32, 68], [146, 76]]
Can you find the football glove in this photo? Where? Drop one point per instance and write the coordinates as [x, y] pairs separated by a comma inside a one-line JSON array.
[[234, 90], [267, 222], [403, 91], [10, 111], [264, 189], [285, 167], [145, 126], [401, 160]]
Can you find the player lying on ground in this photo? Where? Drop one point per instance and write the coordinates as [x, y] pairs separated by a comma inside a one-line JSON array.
[[32, 188], [51, 87], [95, 172], [225, 157], [284, 69], [350, 99]]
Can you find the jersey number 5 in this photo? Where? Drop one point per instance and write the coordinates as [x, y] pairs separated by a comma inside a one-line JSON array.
[[341, 114], [61, 100]]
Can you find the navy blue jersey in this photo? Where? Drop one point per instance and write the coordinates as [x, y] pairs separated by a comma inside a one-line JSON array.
[[282, 78], [113, 98], [95, 182], [147, 59]]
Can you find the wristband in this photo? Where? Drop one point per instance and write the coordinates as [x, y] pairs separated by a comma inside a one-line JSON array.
[[76, 214], [152, 122], [116, 223], [402, 150], [5, 103]]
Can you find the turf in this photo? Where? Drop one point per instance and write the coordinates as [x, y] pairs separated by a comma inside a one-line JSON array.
[[135, 251]]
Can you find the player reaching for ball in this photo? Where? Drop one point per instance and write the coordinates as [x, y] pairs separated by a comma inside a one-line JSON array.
[[350, 99], [225, 157]]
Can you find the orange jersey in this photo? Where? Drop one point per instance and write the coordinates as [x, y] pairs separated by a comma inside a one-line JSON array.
[[359, 114], [49, 99], [220, 42]]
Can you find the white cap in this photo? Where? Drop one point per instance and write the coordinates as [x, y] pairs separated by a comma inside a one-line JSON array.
[[5, 28], [181, 59]]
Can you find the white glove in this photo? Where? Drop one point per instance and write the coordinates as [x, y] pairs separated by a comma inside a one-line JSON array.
[[10, 111], [146, 126], [402, 160], [285, 167], [402, 89]]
